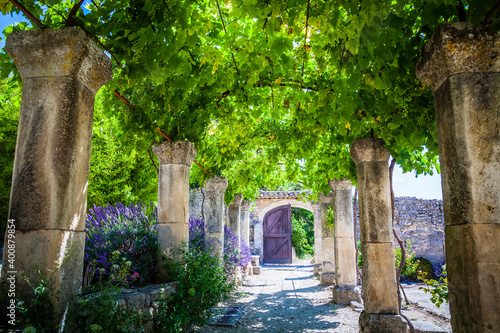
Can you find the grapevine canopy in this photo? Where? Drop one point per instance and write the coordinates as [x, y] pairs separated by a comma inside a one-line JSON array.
[[268, 90]]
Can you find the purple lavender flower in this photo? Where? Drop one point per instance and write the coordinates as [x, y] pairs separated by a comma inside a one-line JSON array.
[[131, 230]]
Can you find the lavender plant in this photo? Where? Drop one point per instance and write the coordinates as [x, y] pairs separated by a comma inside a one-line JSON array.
[[440, 270], [125, 233], [236, 252]]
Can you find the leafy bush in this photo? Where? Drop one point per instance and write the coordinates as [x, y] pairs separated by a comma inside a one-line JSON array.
[[202, 282], [437, 288], [98, 311], [299, 239], [129, 231], [302, 231], [425, 266], [10, 101], [411, 263], [38, 312]]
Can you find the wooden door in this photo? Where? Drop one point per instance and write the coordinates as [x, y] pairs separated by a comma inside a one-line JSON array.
[[277, 227]]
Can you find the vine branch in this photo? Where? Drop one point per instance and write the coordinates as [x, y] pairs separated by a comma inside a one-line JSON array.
[[491, 12], [70, 21], [28, 14], [151, 157], [124, 100], [165, 2]]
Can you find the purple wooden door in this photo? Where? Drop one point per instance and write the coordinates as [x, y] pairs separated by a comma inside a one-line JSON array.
[[277, 227]]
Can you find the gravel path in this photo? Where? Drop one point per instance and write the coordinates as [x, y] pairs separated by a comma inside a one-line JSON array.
[[288, 298]]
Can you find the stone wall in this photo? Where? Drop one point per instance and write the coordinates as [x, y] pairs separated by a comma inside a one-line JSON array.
[[421, 220], [417, 219], [195, 203], [143, 300]]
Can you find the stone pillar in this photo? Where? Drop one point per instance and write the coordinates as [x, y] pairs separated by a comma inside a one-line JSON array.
[[245, 221], [175, 159], [461, 65], [258, 237], [214, 213], [318, 259], [234, 215], [379, 275], [327, 277], [62, 70], [346, 289]]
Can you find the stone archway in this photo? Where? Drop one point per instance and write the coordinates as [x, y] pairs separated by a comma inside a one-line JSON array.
[[266, 202]]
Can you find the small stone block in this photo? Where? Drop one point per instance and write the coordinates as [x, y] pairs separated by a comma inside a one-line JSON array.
[[327, 279], [356, 306], [255, 260], [426, 327], [256, 270], [345, 295], [374, 322]]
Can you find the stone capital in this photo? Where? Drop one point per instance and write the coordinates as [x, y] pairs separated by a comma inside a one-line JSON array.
[[245, 205], [216, 184], [180, 152], [326, 199], [238, 197], [369, 150], [340, 184], [66, 52], [458, 47]]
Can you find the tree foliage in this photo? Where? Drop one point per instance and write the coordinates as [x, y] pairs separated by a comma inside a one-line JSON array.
[[270, 90]]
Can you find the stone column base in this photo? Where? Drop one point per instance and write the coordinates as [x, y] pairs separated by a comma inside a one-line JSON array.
[[326, 279], [317, 268], [386, 323], [344, 295], [47, 249]]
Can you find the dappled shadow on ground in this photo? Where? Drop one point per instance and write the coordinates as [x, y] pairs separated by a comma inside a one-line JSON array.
[[281, 301]]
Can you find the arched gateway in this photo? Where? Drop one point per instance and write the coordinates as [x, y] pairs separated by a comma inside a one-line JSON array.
[[266, 205]]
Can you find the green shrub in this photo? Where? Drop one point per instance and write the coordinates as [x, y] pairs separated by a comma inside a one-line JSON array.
[[437, 289], [202, 283], [10, 100], [302, 231], [299, 239], [423, 266], [98, 311], [410, 266]]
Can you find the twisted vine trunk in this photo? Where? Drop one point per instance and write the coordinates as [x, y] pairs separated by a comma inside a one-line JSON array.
[[354, 219], [403, 252]]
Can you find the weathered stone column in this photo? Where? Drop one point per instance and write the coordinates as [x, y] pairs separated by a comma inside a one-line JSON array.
[[245, 221], [461, 65], [175, 160], [327, 277], [214, 213], [346, 289], [379, 275], [234, 215], [318, 259], [62, 70]]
